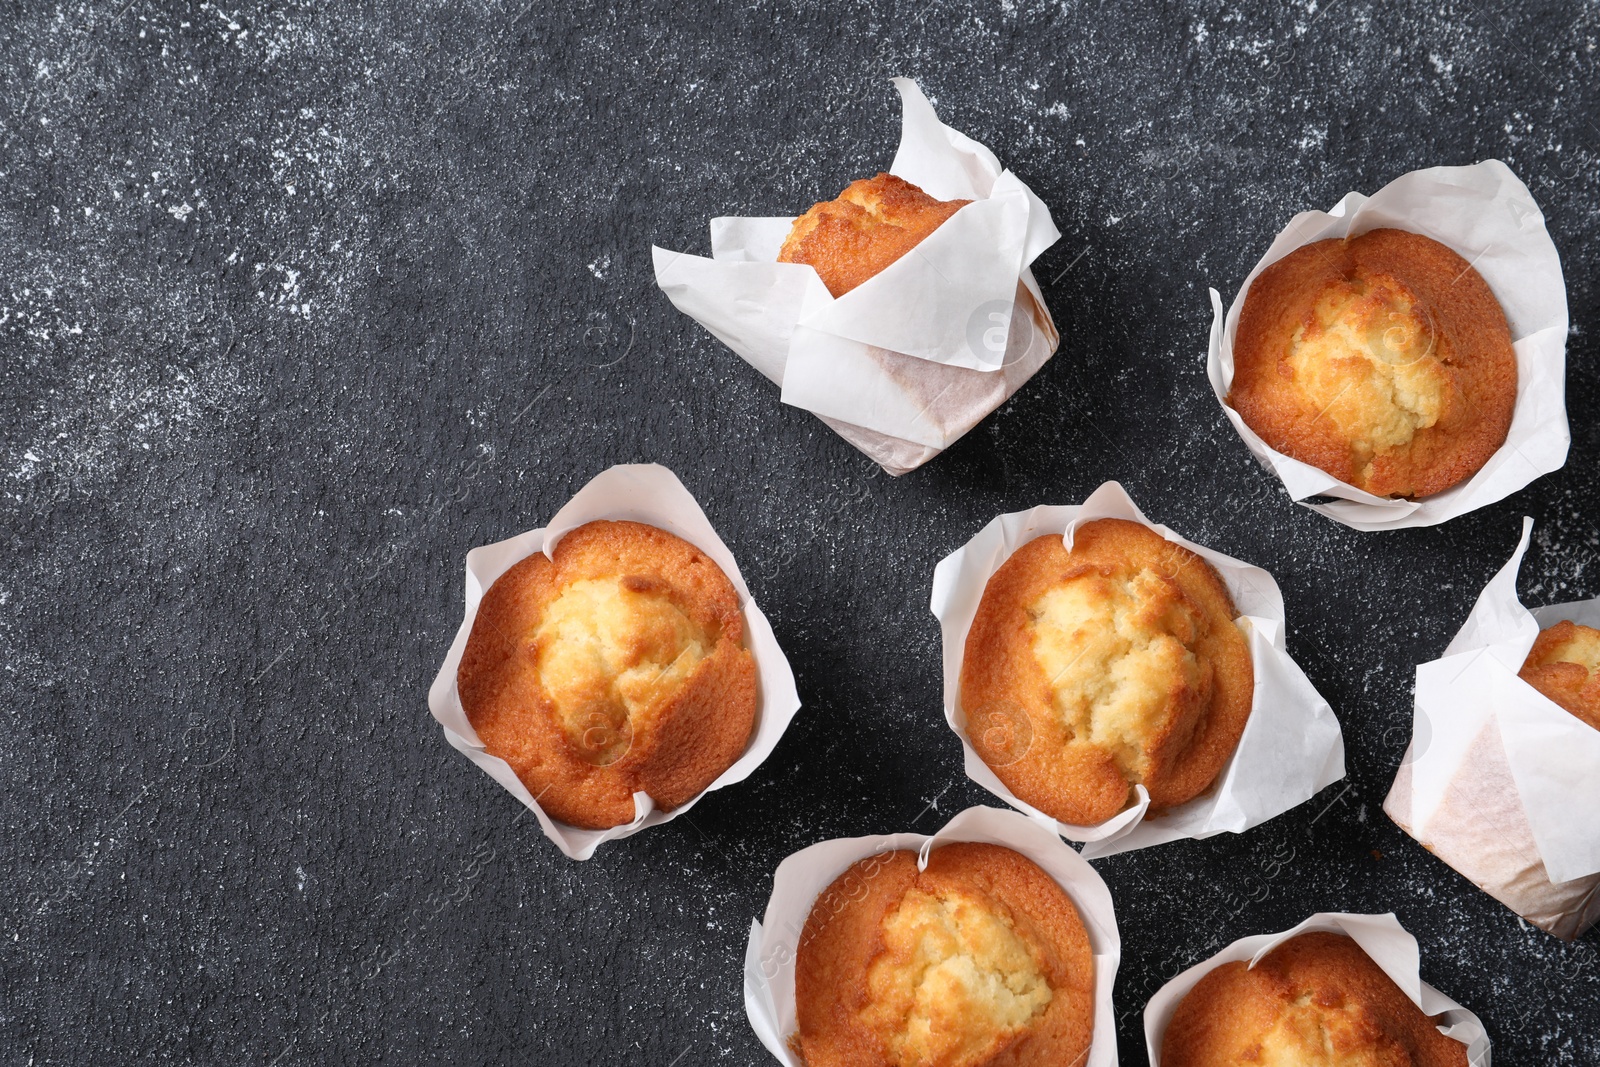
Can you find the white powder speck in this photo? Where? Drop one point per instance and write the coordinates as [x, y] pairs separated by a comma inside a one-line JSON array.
[[1314, 138]]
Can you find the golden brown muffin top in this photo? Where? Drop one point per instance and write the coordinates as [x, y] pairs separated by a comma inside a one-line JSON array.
[[873, 222], [980, 960], [618, 666], [1317, 1000], [1383, 359], [1115, 664], [1564, 665]]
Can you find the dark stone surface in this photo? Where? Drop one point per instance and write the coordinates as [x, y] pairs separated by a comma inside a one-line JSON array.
[[298, 306]]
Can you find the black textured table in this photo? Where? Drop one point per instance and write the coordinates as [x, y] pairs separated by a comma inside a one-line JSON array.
[[298, 306]]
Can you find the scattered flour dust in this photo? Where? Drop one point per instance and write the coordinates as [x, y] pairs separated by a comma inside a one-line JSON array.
[[90, 423]]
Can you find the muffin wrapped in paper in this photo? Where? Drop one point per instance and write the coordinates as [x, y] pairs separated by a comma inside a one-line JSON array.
[[652, 495], [1499, 781], [907, 361], [1290, 746], [1381, 937], [1484, 214], [777, 940]]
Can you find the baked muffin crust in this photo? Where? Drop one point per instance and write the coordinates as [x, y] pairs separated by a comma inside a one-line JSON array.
[[1384, 359], [1317, 1000], [617, 667], [871, 224], [1118, 663], [1564, 665], [980, 960]]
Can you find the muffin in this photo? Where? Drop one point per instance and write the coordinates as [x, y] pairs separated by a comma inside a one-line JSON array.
[[874, 222], [1383, 359], [1092, 671], [1564, 665], [617, 667], [1317, 1000], [980, 960]]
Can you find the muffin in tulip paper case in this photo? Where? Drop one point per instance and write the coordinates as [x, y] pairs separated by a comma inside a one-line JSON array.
[[1128, 690], [988, 943], [1499, 780], [902, 311], [1338, 988], [612, 667], [1400, 360]]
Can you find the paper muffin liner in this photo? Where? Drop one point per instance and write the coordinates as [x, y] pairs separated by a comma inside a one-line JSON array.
[[801, 879], [1380, 936], [1499, 781], [911, 359], [1487, 216], [1291, 746], [651, 494]]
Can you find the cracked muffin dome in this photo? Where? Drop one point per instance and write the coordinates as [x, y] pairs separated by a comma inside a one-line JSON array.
[[1092, 671], [1317, 1000], [873, 222], [1564, 665], [618, 666], [980, 960], [1383, 359]]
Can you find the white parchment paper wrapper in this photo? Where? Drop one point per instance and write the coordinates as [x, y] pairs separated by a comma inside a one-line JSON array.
[[1488, 217], [800, 879], [1499, 781], [1380, 936], [911, 359], [651, 494], [1291, 746]]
